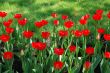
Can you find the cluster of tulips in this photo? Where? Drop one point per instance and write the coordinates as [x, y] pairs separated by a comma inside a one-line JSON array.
[[58, 51]]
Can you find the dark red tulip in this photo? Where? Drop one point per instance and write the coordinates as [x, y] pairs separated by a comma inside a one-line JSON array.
[[45, 35], [90, 50], [58, 51], [58, 65], [39, 45], [68, 24], [28, 34], [8, 55], [72, 48], [87, 65], [63, 33]]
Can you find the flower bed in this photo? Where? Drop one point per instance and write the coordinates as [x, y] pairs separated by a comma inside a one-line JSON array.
[[65, 49]]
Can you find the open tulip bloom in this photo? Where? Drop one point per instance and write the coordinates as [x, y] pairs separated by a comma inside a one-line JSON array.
[[64, 49]]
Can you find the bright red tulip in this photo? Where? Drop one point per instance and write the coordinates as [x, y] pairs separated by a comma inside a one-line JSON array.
[[107, 37], [87, 65], [3, 14], [108, 15], [22, 22], [83, 21], [101, 30], [64, 17], [44, 22], [99, 11], [85, 17], [58, 65], [28, 34], [18, 16], [9, 30], [45, 35], [4, 38], [8, 55], [54, 15], [56, 22], [68, 24], [63, 33], [39, 45], [86, 32], [58, 51], [78, 33], [90, 50], [8, 23], [97, 17], [107, 55]]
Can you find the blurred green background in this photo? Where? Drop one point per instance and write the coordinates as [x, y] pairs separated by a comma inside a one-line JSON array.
[[36, 10]]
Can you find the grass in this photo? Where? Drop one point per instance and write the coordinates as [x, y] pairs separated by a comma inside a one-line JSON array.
[[36, 10]]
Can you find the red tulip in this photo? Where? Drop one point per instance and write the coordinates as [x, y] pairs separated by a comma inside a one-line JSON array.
[[38, 24], [86, 32], [97, 17], [8, 55], [83, 21], [7, 23], [87, 16], [28, 34], [54, 15], [107, 55], [18, 16], [101, 30], [44, 22], [99, 11], [78, 33], [68, 24], [63, 33], [72, 48], [3, 14], [22, 22], [45, 35], [90, 50], [41, 23], [39, 45], [58, 51], [64, 17], [4, 37], [58, 65], [87, 65], [9, 30], [107, 37], [56, 22], [108, 15]]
